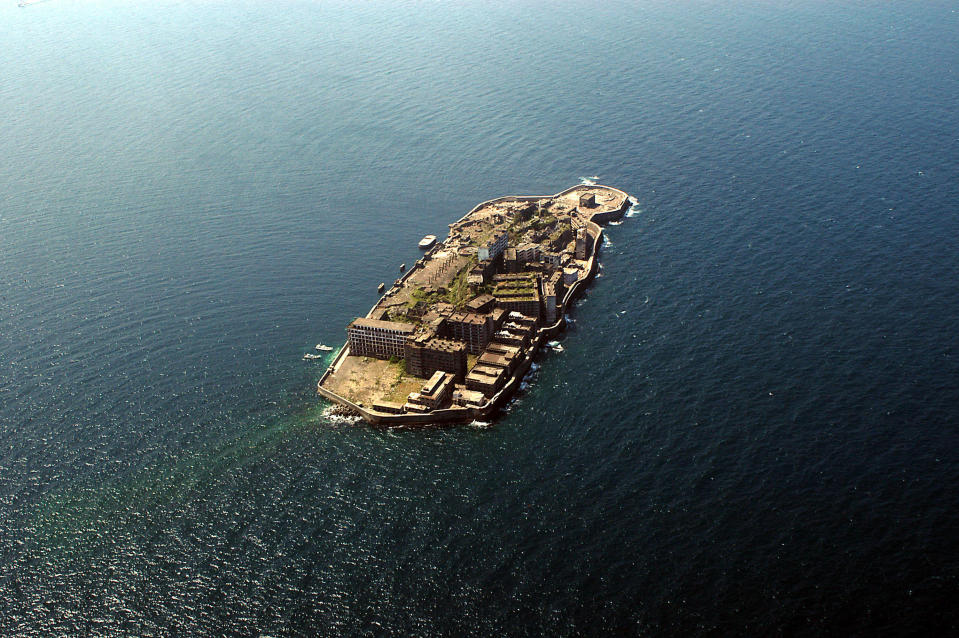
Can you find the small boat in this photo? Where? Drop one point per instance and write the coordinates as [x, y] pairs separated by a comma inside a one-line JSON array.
[[402, 267], [310, 356], [323, 348], [552, 344], [427, 242], [381, 287]]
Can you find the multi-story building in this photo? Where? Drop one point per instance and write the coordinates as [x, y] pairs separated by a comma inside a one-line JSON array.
[[427, 354], [504, 349], [480, 273], [552, 294], [527, 252], [473, 329], [518, 318], [551, 259], [510, 262], [511, 337], [518, 292], [494, 247], [468, 398], [481, 303], [486, 379], [377, 338], [498, 315], [505, 360], [582, 244], [435, 393]]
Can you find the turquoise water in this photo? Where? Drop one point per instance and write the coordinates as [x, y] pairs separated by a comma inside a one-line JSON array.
[[751, 429]]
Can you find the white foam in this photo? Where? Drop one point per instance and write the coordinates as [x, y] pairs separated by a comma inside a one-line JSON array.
[[340, 419]]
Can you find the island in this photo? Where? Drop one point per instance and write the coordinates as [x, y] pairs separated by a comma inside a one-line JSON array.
[[451, 340]]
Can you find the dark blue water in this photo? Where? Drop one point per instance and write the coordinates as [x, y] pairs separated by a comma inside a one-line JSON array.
[[752, 430]]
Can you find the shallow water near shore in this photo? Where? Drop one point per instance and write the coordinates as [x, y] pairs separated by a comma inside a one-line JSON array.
[[750, 428]]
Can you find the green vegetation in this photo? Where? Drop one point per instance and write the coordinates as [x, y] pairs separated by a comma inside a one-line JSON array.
[[417, 295], [459, 292], [456, 294], [557, 235], [483, 238], [515, 286], [542, 222], [516, 228], [520, 224]]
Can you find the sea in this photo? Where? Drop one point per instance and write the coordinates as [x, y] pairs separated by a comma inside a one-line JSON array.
[[751, 429]]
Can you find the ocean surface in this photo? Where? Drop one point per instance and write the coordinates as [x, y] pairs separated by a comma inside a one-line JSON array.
[[753, 428]]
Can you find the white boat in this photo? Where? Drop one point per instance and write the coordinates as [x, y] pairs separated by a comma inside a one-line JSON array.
[[309, 357], [323, 348], [427, 242], [552, 344]]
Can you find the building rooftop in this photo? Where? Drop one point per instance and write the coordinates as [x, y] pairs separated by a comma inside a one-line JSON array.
[[474, 397], [430, 386], [479, 302], [485, 371], [499, 348], [467, 317], [364, 322], [446, 345], [387, 406], [494, 359]]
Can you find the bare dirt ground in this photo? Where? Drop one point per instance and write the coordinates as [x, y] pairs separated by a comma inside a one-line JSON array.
[[367, 380]]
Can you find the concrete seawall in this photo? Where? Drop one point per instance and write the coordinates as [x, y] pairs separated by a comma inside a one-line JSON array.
[[501, 398]]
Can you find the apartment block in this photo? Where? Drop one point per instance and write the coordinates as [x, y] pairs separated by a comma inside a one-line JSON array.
[[475, 330], [377, 338], [486, 379], [435, 393], [494, 247], [427, 354]]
